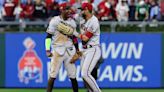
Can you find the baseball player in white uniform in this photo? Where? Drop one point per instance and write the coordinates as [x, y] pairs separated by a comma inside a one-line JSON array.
[[60, 48], [90, 36]]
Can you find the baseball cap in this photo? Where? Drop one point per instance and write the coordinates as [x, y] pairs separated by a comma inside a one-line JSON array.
[[64, 6], [87, 5]]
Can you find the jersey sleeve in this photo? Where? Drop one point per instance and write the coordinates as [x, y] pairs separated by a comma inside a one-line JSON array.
[[52, 26], [73, 23], [94, 26]]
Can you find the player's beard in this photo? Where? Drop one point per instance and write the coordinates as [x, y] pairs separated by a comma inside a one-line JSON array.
[[65, 16], [84, 16]]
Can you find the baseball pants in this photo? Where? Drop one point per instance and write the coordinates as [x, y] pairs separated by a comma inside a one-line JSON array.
[[58, 59], [89, 60]]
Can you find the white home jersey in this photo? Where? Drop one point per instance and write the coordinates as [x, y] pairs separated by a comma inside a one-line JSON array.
[[93, 26], [62, 48], [58, 38], [91, 53], [60, 42]]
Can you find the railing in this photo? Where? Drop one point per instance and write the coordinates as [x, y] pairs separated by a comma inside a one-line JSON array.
[[22, 24]]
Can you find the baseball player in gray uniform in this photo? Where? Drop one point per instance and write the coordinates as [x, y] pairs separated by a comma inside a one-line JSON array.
[[61, 48]]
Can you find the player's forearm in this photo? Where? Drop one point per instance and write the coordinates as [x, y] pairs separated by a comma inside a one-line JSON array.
[[83, 37], [48, 42], [75, 42]]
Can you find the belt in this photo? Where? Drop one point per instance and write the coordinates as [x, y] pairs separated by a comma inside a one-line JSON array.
[[88, 46], [70, 48]]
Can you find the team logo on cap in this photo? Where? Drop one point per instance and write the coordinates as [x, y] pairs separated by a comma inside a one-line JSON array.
[[30, 66]]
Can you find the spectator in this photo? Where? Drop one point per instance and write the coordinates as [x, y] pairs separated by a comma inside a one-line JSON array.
[[17, 11], [40, 11], [113, 2], [132, 9], [61, 1], [94, 6], [154, 13], [154, 10], [16, 2], [1, 15], [28, 10], [77, 5], [23, 1], [2, 2], [122, 11], [129, 2], [54, 10], [162, 9], [142, 10], [8, 12], [76, 9], [72, 1], [97, 2], [1, 9], [49, 4], [113, 9], [104, 10]]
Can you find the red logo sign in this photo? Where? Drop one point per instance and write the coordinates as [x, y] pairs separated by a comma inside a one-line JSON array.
[[30, 66]]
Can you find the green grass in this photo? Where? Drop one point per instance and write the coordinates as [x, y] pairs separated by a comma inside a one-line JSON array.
[[82, 90]]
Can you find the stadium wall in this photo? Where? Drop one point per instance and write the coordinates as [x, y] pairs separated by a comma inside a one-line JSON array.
[[162, 60], [2, 60], [130, 60]]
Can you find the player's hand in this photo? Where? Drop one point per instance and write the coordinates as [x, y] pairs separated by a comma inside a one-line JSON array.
[[48, 53], [76, 57], [79, 53]]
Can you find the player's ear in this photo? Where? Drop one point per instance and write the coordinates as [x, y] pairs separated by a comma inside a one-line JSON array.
[[90, 11]]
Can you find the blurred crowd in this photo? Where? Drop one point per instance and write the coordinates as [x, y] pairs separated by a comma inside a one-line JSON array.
[[105, 10]]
